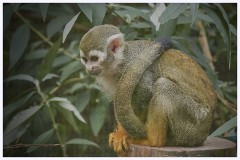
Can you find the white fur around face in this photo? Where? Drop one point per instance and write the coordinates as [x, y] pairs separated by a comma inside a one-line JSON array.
[[101, 55]]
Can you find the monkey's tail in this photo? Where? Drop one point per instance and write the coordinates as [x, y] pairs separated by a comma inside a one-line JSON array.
[[126, 86]]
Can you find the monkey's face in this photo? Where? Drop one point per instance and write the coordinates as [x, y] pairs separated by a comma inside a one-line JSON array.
[[93, 61]]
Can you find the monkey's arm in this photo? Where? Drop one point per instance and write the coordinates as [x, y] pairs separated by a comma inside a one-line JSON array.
[[126, 86]]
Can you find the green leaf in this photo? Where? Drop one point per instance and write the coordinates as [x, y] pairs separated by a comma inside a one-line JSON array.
[[172, 11], [10, 108], [20, 118], [7, 15], [225, 127], [98, 116], [194, 9], [15, 134], [49, 76], [69, 117], [128, 11], [36, 54], [69, 26], [233, 29], [158, 10], [167, 28], [23, 77], [83, 100], [81, 141], [77, 87], [41, 139], [18, 44], [63, 102], [57, 24], [140, 25], [15, 6], [47, 61], [94, 12], [70, 69], [221, 25], [43, 9]]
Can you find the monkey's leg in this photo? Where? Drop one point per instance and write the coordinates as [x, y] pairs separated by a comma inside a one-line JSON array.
[[156, 124], [118, 140], [175, 117]]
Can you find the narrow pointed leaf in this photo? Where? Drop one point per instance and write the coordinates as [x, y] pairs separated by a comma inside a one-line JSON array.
[[194, 9], [47, 61], [87, 10], [172, 11], [43, 9], [225, 127], [81, 142], [20, 118], [63, 102], [49, 76], [69, 26], [15, 6], [18, 44], [10, 108], [221, 25], [23, 77], [41, 139]]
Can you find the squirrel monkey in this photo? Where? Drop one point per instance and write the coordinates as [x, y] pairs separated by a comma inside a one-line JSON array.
[[158, 99]]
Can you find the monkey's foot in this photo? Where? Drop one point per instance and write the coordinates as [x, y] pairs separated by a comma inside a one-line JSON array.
[[118, 141]]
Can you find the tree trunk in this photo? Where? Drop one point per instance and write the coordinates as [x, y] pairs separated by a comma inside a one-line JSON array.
[[212, 147]]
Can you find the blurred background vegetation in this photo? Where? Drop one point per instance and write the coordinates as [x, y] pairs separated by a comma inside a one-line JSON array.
[[53, 108]]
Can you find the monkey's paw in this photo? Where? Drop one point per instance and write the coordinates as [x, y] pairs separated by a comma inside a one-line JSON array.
[[118, 141]]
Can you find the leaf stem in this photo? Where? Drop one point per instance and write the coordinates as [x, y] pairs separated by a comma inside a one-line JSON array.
[[57, 131], [45, 101], [45, 38]]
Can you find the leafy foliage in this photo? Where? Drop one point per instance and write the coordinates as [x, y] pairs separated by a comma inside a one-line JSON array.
[[49, 98]]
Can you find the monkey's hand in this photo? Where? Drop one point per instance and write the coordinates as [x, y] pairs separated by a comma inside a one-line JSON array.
[[118, 141]]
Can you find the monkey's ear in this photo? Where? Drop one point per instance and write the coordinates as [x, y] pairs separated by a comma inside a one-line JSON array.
[[115, 42]]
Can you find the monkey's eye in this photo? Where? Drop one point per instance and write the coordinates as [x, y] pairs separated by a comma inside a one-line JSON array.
[[84, 59], [94, 58]]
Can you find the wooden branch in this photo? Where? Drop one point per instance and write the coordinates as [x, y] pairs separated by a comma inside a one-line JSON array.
[[204, 43]]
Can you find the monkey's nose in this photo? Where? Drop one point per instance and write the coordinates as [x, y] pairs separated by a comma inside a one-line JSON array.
[[95, 70]]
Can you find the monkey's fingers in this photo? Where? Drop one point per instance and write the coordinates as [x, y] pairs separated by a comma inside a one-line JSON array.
[[110, 140]]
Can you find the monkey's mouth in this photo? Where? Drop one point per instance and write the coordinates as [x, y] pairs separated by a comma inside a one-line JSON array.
[[95, 72]]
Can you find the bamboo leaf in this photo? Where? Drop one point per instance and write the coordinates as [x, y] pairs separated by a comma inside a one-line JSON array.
[[23, 77], [20, 118], [82, 142], [98, 116], [69, 26], [222, 26], [70, 69], [172, 11], [41, 139], [43, 9], [63, 102], [159, 9], [94, 12], [194, 9], [47, 61], [15, 6], [18, 44], [225, 127], [10, 108], [49, 76]]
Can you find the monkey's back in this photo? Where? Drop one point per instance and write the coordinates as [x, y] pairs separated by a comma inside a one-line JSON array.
[[188, 75]]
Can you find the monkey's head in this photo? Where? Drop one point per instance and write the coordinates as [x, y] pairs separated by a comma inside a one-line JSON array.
[[101, 49]]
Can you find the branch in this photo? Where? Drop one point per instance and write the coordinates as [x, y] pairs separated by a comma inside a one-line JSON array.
[[204, 44], [45, 39], [30, 145], [206, 51]]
